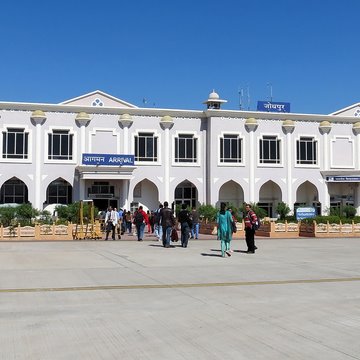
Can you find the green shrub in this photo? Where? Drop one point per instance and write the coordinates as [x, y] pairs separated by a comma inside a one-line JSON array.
[[283, 210], [70, 212], [356, 219], [8, 215], [208, 212], [349, 211], [26, 214]]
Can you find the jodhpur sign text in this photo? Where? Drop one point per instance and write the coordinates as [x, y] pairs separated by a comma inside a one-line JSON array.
[[108, 159], [273, 106]]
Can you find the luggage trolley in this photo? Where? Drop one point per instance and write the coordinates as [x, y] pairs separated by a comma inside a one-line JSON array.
[[90, 230]]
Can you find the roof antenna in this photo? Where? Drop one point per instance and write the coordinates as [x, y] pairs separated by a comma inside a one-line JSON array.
[[241, 97], [269, 85]]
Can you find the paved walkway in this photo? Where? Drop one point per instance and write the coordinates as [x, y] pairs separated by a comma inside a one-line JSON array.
[[293, 299]]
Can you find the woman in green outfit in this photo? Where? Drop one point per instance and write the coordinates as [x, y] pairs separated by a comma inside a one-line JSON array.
[[224, 220]]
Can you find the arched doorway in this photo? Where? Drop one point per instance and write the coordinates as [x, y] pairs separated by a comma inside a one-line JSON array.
[[146, 194], [269, 196], [307, 195], [14, 191], [231, 193], [186, 193]]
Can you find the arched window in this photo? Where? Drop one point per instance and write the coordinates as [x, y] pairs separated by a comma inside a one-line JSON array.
[[14, 191], [186, 193], [59, 192]]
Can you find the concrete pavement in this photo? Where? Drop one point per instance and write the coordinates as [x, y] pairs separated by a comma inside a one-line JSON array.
[[293, 299]]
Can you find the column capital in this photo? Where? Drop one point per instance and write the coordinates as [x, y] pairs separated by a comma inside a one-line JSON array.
[[166, 122], [38, 117], [251, 124], [82, 118], [125, 120], [325, 127]]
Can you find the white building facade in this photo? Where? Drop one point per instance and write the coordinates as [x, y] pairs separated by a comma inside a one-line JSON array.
[[97, 147]]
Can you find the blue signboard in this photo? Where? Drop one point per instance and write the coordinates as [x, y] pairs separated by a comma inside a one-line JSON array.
[[343, 178], [270, 106], [305, 212], [108, 159]]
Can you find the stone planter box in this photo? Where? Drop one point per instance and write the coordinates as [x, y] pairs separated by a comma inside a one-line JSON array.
[[279, 230], [324, 230], [47, 232], [210, 228]]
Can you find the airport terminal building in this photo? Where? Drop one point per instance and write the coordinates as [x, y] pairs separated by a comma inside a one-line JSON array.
[[101, 148]]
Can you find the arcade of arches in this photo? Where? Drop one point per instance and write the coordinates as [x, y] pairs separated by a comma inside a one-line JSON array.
[[146, 193]]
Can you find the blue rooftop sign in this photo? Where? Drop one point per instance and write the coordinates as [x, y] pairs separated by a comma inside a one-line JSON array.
[[270, 106], [108, 159]]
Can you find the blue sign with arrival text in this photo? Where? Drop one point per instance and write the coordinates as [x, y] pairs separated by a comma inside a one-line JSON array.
[[108, 159]]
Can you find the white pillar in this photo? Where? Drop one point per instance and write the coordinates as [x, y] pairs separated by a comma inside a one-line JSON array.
[[167, 123], [38, 117], [82, 189], [357, 199], [288, 127], [326, 151], [82, 135], [326, 203], [126, 140], [167, 166], [356, 130], [125, 121], [251, 125], [357, 152], [325, 128], [252, 167], [289, 165], [38, 161]]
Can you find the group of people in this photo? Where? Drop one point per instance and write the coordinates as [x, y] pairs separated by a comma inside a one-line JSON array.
[[162, 223], [226, 221]]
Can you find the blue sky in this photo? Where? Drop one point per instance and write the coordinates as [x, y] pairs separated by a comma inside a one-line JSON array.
[[174, 53]]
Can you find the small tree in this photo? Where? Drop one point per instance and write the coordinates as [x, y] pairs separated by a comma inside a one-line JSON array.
[[26, 213], [71, 212], [207, 212], [349, 211], [7, 215], [283, 210]]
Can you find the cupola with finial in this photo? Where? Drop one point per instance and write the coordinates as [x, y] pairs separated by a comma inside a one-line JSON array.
[[214, 101]]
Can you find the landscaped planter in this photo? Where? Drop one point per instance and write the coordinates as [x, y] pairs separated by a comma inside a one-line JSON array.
[[330, 229], [48, 232], [210, 228], [279, 230]]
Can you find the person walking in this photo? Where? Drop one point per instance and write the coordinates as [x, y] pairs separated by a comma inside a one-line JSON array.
[[128, 221], [118, 223], [111, 220], [250, 220], [157, 225], [140, 220], [195, 223], [148, 213], [185, 221], [167, 221], [224, 222]]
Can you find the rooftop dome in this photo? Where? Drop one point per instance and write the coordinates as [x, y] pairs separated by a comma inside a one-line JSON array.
[[214, 101], [214, 96]]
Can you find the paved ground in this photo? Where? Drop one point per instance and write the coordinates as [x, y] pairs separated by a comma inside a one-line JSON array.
[[293, 299]]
